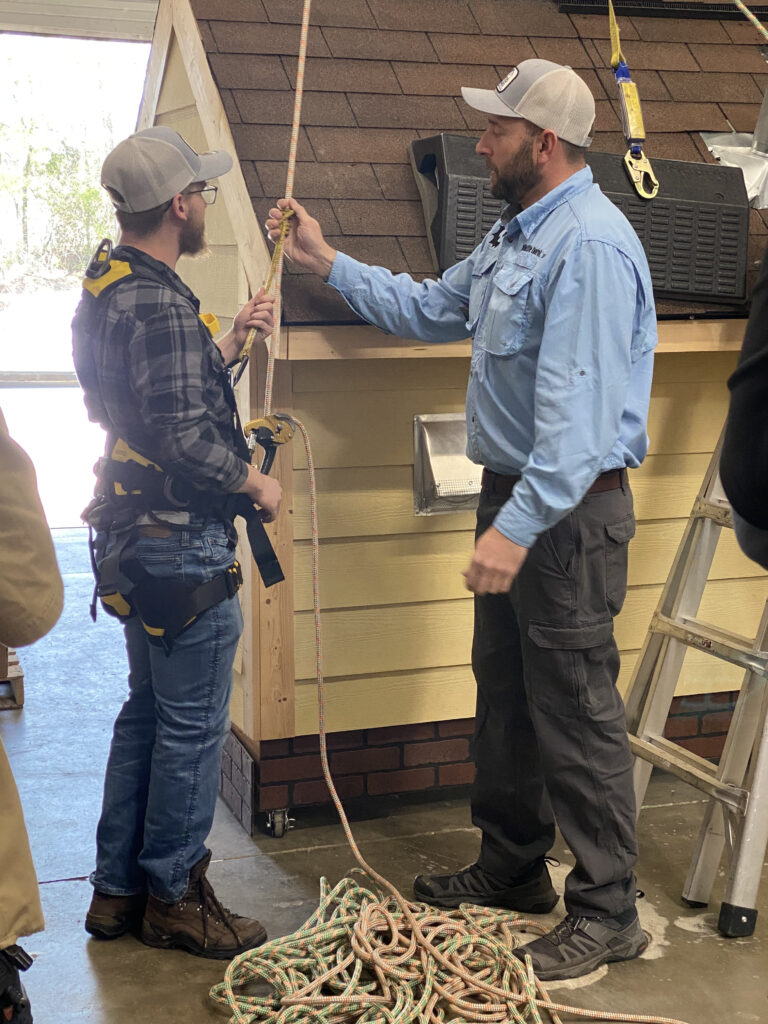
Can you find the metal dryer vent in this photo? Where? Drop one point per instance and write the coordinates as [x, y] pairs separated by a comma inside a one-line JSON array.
[[694, 232]]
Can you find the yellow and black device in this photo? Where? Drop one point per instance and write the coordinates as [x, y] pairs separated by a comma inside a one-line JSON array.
[[637, 164], [269, 432]]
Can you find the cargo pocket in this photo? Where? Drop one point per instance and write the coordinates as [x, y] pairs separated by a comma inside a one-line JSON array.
[[618, 536], [555, 665]]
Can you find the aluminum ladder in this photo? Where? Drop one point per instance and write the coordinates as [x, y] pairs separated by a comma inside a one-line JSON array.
[[737, 813]]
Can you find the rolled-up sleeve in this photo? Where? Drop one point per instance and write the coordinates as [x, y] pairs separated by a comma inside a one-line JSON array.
[[581, 387], [169, 366], [434, 311]]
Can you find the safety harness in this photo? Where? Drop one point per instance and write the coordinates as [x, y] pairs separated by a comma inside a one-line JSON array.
[[134, 490]]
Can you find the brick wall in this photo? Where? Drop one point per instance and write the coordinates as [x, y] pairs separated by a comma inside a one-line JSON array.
[[366, 763], [237, 781], [700, 723], [430, 756]]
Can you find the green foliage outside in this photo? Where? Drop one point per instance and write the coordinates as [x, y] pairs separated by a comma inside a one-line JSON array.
[[61, 213], [54, 212]]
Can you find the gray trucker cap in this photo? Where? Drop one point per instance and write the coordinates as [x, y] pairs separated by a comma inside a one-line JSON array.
[[548, 95], [149, 168]]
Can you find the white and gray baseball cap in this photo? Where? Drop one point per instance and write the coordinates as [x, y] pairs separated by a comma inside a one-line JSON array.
[[149, 168], [548, 95]]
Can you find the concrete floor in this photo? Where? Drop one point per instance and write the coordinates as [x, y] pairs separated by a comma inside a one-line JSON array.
[[58, 746]]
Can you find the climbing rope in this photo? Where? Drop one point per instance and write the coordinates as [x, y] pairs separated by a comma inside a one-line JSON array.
[[750, 17], [367, 954], [276, 267]]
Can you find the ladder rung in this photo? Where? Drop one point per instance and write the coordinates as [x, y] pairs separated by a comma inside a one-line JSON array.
[[716, 509], [739, 650], [690, 768]]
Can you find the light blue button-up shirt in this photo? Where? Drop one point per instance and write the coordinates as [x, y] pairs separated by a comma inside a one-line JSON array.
[[560, 308]]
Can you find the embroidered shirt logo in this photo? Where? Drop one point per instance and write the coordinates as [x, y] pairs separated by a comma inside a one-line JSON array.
[[508, 80]]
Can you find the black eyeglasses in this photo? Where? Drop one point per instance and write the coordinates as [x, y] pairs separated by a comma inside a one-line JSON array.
[[208, 193]]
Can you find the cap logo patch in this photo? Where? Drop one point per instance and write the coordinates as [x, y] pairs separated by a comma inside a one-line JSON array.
[[508, 80]]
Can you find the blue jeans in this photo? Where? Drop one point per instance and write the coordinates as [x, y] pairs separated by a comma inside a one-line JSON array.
[[164, 762]]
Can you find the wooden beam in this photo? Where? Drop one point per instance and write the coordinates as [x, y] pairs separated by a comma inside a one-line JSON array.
[[161, 43], [251, 244], [363, 342], [276, 639], [701, 335]]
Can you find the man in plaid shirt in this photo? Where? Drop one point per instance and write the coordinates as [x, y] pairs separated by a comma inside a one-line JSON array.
[[154, 378]]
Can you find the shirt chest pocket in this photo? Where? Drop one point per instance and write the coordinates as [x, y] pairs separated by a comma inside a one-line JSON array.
[[502, 329]]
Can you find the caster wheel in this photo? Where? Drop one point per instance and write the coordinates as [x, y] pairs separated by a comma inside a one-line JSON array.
[[278, 822]]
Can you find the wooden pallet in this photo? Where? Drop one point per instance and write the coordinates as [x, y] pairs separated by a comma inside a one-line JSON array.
[[11, 680]]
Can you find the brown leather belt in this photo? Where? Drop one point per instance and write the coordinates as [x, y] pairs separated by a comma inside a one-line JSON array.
[[497, 483]]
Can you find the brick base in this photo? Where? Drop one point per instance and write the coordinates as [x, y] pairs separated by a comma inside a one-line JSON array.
[[700, 723], [430, 757]]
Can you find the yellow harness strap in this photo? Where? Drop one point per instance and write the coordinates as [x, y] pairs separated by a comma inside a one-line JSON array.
[[117, 270]]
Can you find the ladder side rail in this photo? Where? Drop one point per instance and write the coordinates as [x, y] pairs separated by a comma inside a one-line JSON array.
[[738, 912]]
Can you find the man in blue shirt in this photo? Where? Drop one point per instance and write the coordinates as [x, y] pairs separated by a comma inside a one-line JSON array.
[[559, 304]]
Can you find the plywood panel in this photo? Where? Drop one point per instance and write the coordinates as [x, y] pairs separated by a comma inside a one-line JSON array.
[[373, 500], [368, 501], [376, 427], [393, 570], [380, 375], [403, 698], [733, 604], [373, 428], [393, 375], [214, 279], [394, 699], [701, 673], [398, 638], [687, 366], [414, 568], [359, 641], [665, 486], [687, 417], [175, 91]]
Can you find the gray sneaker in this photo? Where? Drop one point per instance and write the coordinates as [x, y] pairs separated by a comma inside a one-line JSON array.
[[579, 945]]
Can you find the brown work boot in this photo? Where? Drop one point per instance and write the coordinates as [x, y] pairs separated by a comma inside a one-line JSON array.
[[109, 917], [198, 923]]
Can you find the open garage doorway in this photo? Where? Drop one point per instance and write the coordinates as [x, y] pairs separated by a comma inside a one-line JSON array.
[[66, 103]]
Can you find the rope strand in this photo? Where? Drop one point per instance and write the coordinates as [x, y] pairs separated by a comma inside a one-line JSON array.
[[750, 17]]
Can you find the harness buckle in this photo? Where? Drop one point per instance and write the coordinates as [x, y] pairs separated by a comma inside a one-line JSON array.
[[233, 578], [99, 264]]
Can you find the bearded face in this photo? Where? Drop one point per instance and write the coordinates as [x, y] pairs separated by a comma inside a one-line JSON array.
[[192, 238], [515, 178]]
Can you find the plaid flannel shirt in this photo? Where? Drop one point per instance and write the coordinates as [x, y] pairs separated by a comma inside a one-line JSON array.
[[152, 375]]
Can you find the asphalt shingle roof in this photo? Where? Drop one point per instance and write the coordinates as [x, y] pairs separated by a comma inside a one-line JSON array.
[[381, 73]]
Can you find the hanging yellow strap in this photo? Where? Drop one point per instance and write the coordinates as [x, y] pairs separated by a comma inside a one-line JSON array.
[[616, 55], [636, 162]]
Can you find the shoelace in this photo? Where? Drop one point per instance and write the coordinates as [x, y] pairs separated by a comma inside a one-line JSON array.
[[207, 899]]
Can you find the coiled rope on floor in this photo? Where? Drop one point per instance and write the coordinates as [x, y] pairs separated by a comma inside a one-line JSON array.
[[367, 954]]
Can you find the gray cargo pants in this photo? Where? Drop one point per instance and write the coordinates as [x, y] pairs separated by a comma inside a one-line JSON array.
[[550, 731]]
